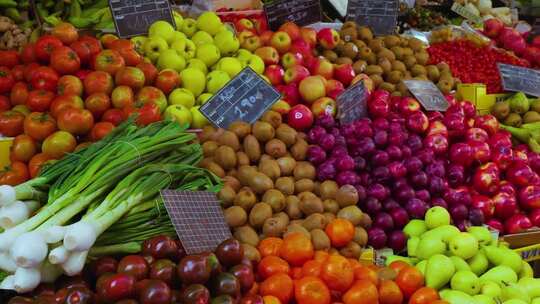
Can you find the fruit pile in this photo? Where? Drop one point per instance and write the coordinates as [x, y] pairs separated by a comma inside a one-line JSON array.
[[517, 110]]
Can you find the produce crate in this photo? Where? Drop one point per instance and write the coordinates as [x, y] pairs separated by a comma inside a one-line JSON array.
[[527, 244], [477, 94], [5, 144]]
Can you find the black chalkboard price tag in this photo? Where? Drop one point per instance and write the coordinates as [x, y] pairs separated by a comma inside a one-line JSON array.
[[379, 15], [427, 94], [245, 98], [520, 79], [352, 103], [6, 295], [301, 12], [134, 17]]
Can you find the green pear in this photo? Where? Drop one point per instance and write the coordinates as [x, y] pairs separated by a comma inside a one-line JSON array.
[[503, 256], [500, 274], [478, 263], [429, 246], [456, 297], [531, 286], [436, 217], [439, 271], [526, 270], [415, 228], [421, 266], [514, 291], [444, 232], [392, 258], [412, 245], [460, 263], [463, 245], [466, 281], [483, 299], [490, 289], [535, 301], [519, 103], [482, 234], [515, 301]]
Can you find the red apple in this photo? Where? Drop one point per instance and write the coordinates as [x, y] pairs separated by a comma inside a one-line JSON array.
[[167, 80], [476, 134], [281, 42], [534, 216], [295, 74], [520, 174], [334, 88], [281, 106], [324, 106], [493, 27], [302, 47], [344, 73], [485, 204], [243, 36], [418, 122], [244, 24], [328, 38], [506, 187], [517, 223], [268, 54], [501, 139], [437, 127], [291, 59], [309, 35], [274, 73], [323, 67], [486, 179], [437, 142], [300, 117], [495, 224], [487, 122], [291, 29], [481, 151], [290, 93], [505, 205], [461, 154], [265, 37], [529, 197], [408, 106]]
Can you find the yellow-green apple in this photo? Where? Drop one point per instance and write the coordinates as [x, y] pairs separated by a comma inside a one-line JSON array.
[[268, 54], [289, 93], [300, 117], [302, 47], [138, 42], [334, 88], [291, 59], [281, 106], [183, 97], [162, 29], [344, 73], [178, 19], [324, 106], [230, 65], [368, 83], [179, 35], [202, 37], [122, 96], [244, 24], [243, 54], [215, 80], [323, 67], [197, 64], [153, 46], [281, 42], [193, 80], [265, 37], [185, 48], [243, 36], [189, 27], [328, 38], [130, 76], [198, 120], [208, 53], [309, 35], [227, 43], [291, 29], [256, 63], [312, 88], [169, 59], [204, 97], [274, 73], [152, 94], [295, 74], [209, 22], [252, 43], [178, 113], [167, 80]]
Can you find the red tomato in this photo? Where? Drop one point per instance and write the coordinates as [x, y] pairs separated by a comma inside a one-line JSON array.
[[114, 116], [9, 58], [92, 43], [6, 80], [147, 113], [36, 162], [100, 130], [69, 84], [58, 144], [150, 72], [29, 71], [14, 174], [108, 61], [45, 45], [97, 103], [23, 149], [66, 32], [39, 125], [11, 123], [98, 82], [83, 51], [28, 53], [18, 72], [44, 78], [5, 104], [39, 100], [75, 121], [65, 101], [65, 61]]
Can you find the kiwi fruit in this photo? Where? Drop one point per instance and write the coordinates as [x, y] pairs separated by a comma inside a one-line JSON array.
[[331, 205], [433, 73], [272, 117], [329, 217], [347, 196], [366, 221], [371, 59], [351, 213], [304, 170], [443, 66], [235, 216], [513, 120], [398, 51], [311, 205], [360, 236], [265, 157], [263, 131], [364, 52], [207, 133], [348, 24], [360, 44], [246, 234], [344, 60], [409, 61], [245, 198], [359, 66], [286, 134], [275, 199], [286, 165], [416, 44], [445, 85], [244, 174], [299, 150], [386, 53], [216, 169], [391, 41], [314, 221], [226, 195], [240, 128], [376, 45], [275, 148], [260, 183], [230, 139], [252, 148], [293, 207], [270, 168], [394, 77], [385, 65], [320, 240], [285, 184], [242, 158], [209, 147], [374, 69], [258, 214], [294, 228], [531, 116], [377, 79], [251, 253], [225, 157], [445, 74], [348, 33], [407, 52], [398, 65], [330, 55], [232, 182], [422, 57], [304, 184], [365, 33], [328, 189], [418, 70], [402, 88], [387, 87], [351, 250]]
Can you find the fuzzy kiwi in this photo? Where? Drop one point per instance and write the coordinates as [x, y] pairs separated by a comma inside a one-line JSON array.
[[235, 216], [418, 70], [306, 194], [347, 196], [330, 205], [294, 228], [258, 214], [359, 66], [216, 169], [299, 150], [360, 236], [263, 131], [329, 216], [272, 117], [344, 60], [433, 73], [351, 213], [226, 195], [275, 199], [246, 234], [374, 69], [320, 240], [348, 33], [330, 55], [245, 198], [364, 52], [422, 57], [230, 139], [270, 168], [244, 173], [366, 221], [286, 134], [225, 157], [387, 87], [260, 183], [386, 53], [240, 128], [377, 79], [275, 148], [232, 182], [314, 221], [351, 250], [350, 50], [365, 33], [252, 148], [394, 77], [398, 65], [274, 226], [311, 205], [286, 165], [304, 184], [209, 147], [207, 132], [242, 158], [359, 43], [251, 253], [304, 169], [285, 184], [293, 207]]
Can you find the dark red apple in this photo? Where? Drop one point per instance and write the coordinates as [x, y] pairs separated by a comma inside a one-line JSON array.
[[300, 117], [487, 122], [476, 134], [468, 108], [529, 197], [344, 73], [505, 205], [520, 174], [290, 93], [501, 139], [462, 154], [502, 156], [534, 216], [485, 204], [408, 106], [436, 142], [495, 224], [517, 223], [418, 122], [486, 179], [481, 151]]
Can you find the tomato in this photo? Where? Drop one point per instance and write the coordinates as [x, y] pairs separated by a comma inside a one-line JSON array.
[[311, 290], [296, 249], [9, 58], [409, 280], [337, 273], [23, 148], [116, 287], [14, 174], [114, 116], [5, 104], [271, 300], [36, 163], [279, 285], [65, 61], [18, 72], [45, 45], [39, 125], [366, 273], [312, 268], [150, 72], [340, 232], [58, 144], [11, 123], [108, 39], [100, 130], [134, 265], [397, 266], [66, 32], [28, 53], [146, 113], [6, 80], [29, 71], [271, 265], [97, 103], [155, 292], [98, 82], [44, 78], [270, 246], [126, 49], [75, 121], [362, 292], [23, 109], [39, 100], [389, 293], [424, 295], [69, 84], [108, 61], [83, 51]]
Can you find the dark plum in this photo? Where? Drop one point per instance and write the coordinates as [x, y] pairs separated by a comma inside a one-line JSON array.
[[476, 217], [436, 169], [315, 134], [316, 155], [397, 240], [459, 212], [326, 171], [404, 193], [360, 163], [416, 208], [437, 185], [381, 174], [339, 152], [380, 123], [373, 206], [384, 221], [377, 238], [365, 178], [414, 142], [347, 178], [380, 158], [426, 156], [455, 175], [362, 129], [462, 225], [397, 169], [326, 121], [378, 191], [389, 204], [380, 138], [400, 217], [396, 139], [406, 151], [345, 163], [366, 146], [361, 192], [327, 142], [423, 195], [439, 201], [419, 179], [413, 164], [400, 182], [394, 152]]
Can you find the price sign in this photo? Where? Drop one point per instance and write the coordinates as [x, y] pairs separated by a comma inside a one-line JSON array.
[[379, 15], [352, 103], [6, 295], [520, 79], [301, 12], [134, 17], [427, 94], [466, 13], [246, 97]]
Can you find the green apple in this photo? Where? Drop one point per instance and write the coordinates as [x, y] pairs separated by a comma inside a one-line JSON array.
[[162, 29], [215, 80], [230, 65], [169, 59], [439, 271], [183, 97], [178, 113], [193, 80], [429, 246], [415, 228], [436, 217], [139, 41], [209, 22], [227, 43], [490, 289], [463, 245], [197, 64], [466, 281], [243, 56], [202, 37], [208, 53], [179, 45], [154, 46], [189, 27], [199, 120], [203, 98], [178, 19], [256, 63], [483, 299], [481, 233], [179, 35]]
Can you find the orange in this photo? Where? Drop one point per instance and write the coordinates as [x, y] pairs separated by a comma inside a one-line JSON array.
[[296, 249], [424, 295], [362, 292], [398, 265], [311, 290], [271, 300], [312, 268], [279, 285], [366, 273], [337, 273], [340, 232], [389, 293], [409, 280], [271, 265], [270, 246]]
